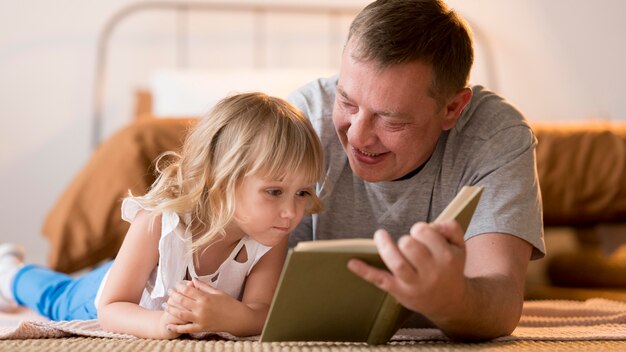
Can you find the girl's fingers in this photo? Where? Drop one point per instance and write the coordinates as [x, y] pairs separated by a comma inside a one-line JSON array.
[[204, 287], [184, 328], [181, 314]]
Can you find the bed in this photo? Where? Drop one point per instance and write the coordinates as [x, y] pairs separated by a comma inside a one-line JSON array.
[[211, 49], [132, 125]]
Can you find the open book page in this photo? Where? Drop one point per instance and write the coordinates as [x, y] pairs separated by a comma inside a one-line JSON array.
[[360, 245]]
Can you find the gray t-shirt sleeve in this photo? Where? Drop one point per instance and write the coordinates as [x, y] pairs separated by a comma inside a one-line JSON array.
[[511, 201], [497, 151]]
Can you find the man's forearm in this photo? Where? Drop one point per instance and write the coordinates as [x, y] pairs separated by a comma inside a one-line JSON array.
[[491, 307]]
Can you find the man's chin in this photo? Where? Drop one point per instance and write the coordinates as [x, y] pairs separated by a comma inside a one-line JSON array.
[[369, 174]]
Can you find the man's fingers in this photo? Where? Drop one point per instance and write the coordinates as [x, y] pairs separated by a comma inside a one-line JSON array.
[[392, 257], [380, 278], [415, 252], [438, 237], [452, 231]]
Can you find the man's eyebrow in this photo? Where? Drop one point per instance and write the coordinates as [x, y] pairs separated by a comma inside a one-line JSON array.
[[390, 113], [342, 92]]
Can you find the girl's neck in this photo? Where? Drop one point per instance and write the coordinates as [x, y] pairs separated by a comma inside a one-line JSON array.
[[233, 232], [232, 235], [206, 260]]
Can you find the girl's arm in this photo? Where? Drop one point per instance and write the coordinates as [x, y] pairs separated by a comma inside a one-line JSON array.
[[209, 309], [118, 309]]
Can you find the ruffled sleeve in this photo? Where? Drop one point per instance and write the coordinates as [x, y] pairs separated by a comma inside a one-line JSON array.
[[174, 248], [174, 254], [130, 208]]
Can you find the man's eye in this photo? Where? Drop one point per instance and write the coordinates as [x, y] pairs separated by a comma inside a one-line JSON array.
[[274, 192], [348, 106], [392, 125]]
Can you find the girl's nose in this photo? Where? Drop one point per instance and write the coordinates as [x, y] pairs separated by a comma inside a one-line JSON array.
[[288, 210]]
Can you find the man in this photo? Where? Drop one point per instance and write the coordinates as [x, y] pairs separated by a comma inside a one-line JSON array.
[[402, 134]]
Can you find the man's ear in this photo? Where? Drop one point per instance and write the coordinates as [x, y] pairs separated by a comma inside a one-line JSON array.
[[454, 107]]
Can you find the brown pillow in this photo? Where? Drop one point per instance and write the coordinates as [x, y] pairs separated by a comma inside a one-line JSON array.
[[582, 172], [85, 227]]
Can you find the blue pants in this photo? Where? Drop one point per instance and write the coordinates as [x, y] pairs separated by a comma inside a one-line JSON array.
[[58, 296]]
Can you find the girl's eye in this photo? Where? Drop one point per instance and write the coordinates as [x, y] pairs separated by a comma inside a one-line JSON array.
[[274, 192], [304, 193]]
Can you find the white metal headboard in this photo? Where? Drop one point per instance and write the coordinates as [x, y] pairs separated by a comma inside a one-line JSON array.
[[260, 12], [182, 9]]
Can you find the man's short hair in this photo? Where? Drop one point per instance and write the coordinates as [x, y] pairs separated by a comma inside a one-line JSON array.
[[400, 31]]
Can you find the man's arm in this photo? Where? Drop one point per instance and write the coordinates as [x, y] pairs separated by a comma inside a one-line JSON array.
[[470, 290], [495, 271]]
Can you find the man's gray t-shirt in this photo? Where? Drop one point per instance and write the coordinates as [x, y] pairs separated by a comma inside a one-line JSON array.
[[491, 145]]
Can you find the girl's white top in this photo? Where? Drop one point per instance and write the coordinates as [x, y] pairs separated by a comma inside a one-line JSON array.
[[175, 259]]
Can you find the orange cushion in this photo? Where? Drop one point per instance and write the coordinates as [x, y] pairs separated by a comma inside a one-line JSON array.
[[85, 227], [582, 172], [581, 168]]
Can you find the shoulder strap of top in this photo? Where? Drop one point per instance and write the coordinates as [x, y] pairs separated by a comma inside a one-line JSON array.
[[255, 251]]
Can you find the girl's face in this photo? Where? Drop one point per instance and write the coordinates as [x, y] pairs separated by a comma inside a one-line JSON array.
[[269, 210]]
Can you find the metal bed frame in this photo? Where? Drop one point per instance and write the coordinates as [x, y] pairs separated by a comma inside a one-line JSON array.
[[334, 13], [182, 9]]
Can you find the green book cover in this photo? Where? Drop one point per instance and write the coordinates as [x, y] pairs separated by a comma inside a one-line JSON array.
[[319, 299]]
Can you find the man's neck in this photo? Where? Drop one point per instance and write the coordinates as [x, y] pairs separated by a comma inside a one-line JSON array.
[[412, 173]]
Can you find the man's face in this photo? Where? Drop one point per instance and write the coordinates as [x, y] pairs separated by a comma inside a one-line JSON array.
[[387, 122]]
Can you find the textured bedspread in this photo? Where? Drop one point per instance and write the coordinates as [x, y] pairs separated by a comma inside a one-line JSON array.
[[595, 319]]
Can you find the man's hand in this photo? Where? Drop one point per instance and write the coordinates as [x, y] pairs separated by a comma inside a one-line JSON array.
[[426, 268], [203, 308]]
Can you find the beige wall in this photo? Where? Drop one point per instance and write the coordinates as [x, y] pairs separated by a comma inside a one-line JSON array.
[[556, 60]]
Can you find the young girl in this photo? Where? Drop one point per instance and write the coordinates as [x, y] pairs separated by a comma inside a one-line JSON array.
[[207, 242]]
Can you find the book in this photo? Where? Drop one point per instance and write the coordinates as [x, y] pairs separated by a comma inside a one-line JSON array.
[[319, 299]]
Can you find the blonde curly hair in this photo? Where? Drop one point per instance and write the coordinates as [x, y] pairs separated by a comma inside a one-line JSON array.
[[244, 134]]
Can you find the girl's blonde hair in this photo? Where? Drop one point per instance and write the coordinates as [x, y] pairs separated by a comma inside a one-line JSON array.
[[244, 134]]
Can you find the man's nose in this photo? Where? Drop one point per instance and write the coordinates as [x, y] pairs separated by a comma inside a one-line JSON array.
[[361, 132]]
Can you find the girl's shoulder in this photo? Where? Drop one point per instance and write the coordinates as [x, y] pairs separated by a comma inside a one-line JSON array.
[[132, 209]]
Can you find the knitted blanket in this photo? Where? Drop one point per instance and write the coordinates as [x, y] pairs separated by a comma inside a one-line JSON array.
[[594, 319]]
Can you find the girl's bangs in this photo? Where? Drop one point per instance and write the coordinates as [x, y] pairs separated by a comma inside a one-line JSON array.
[[277, 164], [283, 154]]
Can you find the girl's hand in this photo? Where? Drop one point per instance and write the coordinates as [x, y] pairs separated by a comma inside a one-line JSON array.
[[203, 307], [166, 323]]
